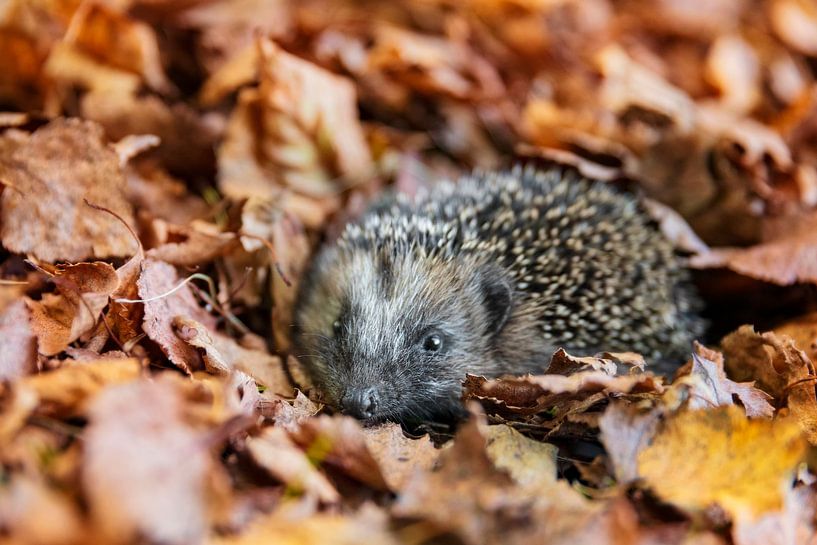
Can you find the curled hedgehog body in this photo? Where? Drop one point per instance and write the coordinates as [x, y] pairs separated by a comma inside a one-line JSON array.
[[486, 276]]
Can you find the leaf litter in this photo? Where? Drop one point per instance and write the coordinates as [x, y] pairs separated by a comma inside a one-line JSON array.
[[168, 168]]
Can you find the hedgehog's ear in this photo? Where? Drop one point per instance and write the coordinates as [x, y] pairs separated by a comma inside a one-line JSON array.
[[497, 298]]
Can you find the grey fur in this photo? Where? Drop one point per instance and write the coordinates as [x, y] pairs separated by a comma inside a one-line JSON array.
[[505, 267]]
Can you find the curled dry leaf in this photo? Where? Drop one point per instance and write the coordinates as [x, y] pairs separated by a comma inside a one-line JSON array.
[[18, 342], [222, 355], [145, 468], [274, 451], [191, 246], [157, 280], [779, 368], [47, 178], [709, 387], [59, 319], [289, 414], [702, 458], [309, 138]]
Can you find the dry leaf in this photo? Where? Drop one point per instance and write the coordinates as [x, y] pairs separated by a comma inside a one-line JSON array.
[[399, 458], [310, 140], [18, 342], [67, 391], [709, 386], [222, 355], [155, 283], [280, 457], [59, 319], [626, 431], [47, 178], [145, 469], [719, 457], [340, 442]]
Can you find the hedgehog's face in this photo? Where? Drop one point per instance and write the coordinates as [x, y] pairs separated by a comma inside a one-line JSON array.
[[392, 337]]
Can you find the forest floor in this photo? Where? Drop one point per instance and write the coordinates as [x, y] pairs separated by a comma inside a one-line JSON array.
[[167, 168]]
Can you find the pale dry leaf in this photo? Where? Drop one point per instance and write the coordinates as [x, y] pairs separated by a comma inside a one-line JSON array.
[[145, 468], [399, 457], [709, 386], [309, 137], [625, 431], [155, 282], [47, 178], [18, 342], [531, 464]]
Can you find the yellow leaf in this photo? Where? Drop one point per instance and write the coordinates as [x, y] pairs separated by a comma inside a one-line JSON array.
[[701, 458]]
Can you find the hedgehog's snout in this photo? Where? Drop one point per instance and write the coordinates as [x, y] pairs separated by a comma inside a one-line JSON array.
[[361, 403]]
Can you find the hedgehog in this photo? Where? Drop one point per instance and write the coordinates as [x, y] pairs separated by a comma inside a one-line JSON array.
[[486, 276]]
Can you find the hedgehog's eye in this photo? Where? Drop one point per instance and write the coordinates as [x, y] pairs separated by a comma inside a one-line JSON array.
[[336, 327], [433, 342]]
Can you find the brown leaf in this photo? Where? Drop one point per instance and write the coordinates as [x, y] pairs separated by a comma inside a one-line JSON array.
[[701, 458], [18, 342], [145, 469], [157, 279], [289, 527], [710, 387], [470, 497], [310, 138], [803, 330], [280, 457], [339, 441], [59, 319], [289, 415], [563, 363], [25, 502], [785, 261], [399, 458], [772, 361], [778, 367], [48, 177], [192, 246], [222, 355], [67, 391]]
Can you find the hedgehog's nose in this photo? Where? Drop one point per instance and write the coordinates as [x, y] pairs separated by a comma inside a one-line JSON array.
[[360, 403]]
